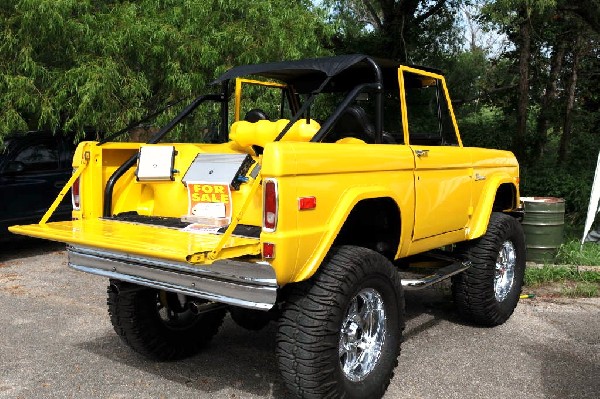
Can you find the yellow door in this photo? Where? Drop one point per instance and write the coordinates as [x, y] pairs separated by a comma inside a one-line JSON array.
[[443, 167], [443, 189]]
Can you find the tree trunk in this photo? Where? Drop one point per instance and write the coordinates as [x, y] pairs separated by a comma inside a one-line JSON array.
[[548, 98], [523, 102], [396, 18], [568, 121]]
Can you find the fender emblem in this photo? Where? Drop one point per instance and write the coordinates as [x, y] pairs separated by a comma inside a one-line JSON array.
[[479, 177]]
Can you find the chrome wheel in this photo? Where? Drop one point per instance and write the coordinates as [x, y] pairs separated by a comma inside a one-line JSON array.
[[505, 270], [362, 334]]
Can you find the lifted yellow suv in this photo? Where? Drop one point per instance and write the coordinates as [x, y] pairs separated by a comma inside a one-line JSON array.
[[344, 183]]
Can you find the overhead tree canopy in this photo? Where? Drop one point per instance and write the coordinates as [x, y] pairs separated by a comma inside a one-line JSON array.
[[404, 30], [71, 64]]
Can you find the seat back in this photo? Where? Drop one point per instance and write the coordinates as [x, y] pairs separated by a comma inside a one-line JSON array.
[[354, 122]]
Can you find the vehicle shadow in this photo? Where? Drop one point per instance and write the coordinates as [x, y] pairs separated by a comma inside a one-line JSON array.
[[565, 374], [245, 360], [434, 302], [236, 359], [26, 247]]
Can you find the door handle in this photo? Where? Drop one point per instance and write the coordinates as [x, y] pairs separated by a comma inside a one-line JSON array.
[[422, 153]]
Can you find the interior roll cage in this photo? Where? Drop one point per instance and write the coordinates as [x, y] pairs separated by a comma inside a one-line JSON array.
[[353, 74]]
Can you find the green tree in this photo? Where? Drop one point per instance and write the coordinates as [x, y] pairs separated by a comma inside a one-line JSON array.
[[555, 108], [516, 19], [405, 30], [71, 64]]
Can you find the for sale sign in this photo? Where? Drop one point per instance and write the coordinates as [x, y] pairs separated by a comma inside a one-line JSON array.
[[209, 200]]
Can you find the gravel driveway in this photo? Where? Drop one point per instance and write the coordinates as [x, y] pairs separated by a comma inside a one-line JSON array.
[[57, 342]]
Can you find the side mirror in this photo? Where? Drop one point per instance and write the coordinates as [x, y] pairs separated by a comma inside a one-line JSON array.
[[13, 167]]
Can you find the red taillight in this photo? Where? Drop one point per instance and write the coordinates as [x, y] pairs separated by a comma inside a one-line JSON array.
[[270, 205], [268, 250], [75, 198]]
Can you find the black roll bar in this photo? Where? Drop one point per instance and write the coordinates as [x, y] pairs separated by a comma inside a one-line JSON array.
[[378, 101], [224, 112], [377, 86], [328, 124], [302, 109], [139, 122], [110, 184]]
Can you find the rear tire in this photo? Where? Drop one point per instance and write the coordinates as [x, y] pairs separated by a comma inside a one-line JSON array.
[[339, 333], [488, 292], [154, 323]]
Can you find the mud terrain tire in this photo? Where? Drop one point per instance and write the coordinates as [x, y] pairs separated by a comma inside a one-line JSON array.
[[488, 292], [145, 322], [339, 333]]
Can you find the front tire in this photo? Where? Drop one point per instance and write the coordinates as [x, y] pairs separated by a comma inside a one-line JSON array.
[[339, 333], [488, 292], [155, 324]]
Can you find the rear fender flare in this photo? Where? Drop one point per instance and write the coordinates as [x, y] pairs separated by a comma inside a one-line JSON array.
[[343, 209]]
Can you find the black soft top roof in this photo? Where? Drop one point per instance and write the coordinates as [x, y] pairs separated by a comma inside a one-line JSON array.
[[307, 74]]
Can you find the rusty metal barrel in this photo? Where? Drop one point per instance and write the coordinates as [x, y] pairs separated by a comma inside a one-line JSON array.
[[543, 225]]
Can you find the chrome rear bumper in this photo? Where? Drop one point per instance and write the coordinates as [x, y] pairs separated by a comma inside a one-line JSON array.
[[250, 285]]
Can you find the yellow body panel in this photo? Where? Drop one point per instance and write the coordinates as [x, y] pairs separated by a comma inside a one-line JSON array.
[[435, 198], [337, 175]]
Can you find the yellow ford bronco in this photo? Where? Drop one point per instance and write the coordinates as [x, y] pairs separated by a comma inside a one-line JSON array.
[[311, 193]]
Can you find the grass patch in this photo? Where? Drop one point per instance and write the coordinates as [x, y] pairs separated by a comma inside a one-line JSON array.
[[571, 253], [581, 290], [568, 281], [552, 274], [562, 281]]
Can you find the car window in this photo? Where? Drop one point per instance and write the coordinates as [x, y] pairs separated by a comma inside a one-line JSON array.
[[392, 117], [429, 121], [38, 157], [272, 101]]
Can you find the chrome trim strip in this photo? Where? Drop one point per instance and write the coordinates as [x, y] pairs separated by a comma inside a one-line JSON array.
[[250, 285], [440, 275]]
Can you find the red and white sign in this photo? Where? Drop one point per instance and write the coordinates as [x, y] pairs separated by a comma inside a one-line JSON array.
[[209, 200]]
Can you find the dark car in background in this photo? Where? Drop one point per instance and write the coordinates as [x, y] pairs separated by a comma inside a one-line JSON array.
[[34, 167]]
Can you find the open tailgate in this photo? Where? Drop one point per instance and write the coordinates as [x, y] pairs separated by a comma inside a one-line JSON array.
[[142, 239]]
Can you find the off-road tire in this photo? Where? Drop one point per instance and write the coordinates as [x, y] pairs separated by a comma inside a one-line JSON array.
[[250, 319], [310, 327], [474, 290], [134, 314]]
